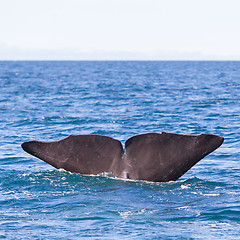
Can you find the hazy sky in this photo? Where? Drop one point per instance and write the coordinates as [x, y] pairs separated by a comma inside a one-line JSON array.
[[120, 29]]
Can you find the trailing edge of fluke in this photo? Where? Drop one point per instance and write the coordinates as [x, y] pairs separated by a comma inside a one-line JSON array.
[[157, 157]]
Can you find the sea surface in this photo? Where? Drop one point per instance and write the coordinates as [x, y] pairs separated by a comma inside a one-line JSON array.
[[41, 100]]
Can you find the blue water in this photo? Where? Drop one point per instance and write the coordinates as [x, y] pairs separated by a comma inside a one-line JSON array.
[[50, 100]]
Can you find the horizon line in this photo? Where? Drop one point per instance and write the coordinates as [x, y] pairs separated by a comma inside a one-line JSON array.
[[119, 60]]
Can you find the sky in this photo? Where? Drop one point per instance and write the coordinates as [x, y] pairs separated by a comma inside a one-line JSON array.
[[119, 30]]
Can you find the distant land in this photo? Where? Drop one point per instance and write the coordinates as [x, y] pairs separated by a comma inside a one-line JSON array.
[[11, 53]]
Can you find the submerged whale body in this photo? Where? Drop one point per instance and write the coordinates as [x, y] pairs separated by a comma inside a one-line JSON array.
[[157, 157]]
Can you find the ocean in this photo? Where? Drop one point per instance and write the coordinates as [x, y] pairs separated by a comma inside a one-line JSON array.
[[49, 100]]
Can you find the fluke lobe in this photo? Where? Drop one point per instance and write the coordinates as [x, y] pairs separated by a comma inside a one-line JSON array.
[[157, 157]]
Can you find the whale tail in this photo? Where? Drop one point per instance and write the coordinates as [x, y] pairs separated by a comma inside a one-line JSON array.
[[151, 156]]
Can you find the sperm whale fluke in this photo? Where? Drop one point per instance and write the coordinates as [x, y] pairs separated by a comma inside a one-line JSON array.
[[158, 157]]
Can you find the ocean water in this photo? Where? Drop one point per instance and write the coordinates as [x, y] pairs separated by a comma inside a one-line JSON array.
[[51, 100]]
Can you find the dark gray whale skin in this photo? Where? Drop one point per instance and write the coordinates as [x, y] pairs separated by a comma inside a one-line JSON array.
[[157, 157]]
